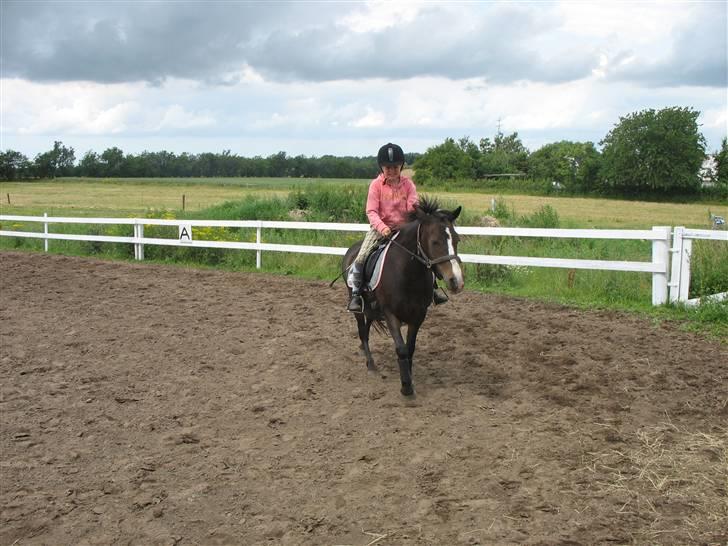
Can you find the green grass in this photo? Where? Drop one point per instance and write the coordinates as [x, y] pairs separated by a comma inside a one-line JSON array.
[[343, 202]]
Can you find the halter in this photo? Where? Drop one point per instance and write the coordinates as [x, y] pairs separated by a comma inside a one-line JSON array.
[[422, 257]]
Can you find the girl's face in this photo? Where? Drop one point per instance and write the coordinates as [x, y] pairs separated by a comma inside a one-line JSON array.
[[391, 172]]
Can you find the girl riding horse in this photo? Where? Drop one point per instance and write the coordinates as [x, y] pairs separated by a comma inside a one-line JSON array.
[[426, 245], [391, 198]]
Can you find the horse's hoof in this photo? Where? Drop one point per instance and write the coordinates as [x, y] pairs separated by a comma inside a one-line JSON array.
[[407, 390], [372, 368]]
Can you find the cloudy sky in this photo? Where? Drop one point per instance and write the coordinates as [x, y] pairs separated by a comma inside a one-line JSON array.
[[342, 78]]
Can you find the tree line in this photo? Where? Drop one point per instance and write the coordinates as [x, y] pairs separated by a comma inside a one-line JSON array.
[[114, 163], [657, 153], [647, 153]]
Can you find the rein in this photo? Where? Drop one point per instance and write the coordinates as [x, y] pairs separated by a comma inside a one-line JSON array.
[[422, 257]]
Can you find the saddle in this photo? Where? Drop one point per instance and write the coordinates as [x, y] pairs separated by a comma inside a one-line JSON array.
[[373, 266]]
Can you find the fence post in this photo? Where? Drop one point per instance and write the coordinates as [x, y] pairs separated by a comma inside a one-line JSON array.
[[661, 258], [259, 252], [138, 234], [676, 257], [45, 232], [686, 254]]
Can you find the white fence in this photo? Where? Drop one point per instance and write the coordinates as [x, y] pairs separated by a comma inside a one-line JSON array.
[[668, 283], [682, 250]]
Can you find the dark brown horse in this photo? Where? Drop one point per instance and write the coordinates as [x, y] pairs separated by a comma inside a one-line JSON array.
[[426, 244]]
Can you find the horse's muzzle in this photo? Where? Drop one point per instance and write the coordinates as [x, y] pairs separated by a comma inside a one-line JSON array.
[[455, 284], [452, 273]]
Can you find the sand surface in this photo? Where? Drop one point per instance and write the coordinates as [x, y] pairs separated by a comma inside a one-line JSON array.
[[147, 404]]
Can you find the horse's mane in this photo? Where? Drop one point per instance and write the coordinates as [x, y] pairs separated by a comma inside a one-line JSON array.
[[428, 205]]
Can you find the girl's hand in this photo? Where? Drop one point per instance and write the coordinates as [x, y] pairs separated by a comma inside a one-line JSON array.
[[386, 232]]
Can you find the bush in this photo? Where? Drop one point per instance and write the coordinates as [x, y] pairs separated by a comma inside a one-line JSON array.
[[544, 217], [331, 204], [502, 211], [490, 274], [252, 207]]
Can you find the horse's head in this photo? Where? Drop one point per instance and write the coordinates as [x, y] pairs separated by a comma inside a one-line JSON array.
[[439, 242]]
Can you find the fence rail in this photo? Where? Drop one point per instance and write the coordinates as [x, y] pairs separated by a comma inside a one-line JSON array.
[[682, 250], [668, 265]]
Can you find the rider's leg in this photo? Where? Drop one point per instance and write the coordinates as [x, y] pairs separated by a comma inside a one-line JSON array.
[[356, 270], [356, 304]]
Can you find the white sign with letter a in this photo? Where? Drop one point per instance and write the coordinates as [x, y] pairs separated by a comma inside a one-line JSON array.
[[185, 233]]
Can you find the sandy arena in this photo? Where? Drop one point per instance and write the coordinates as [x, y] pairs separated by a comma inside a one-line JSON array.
[[157, 405]]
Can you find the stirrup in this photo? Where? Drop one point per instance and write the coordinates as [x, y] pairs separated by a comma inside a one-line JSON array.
[[356, 304], [439, 297]]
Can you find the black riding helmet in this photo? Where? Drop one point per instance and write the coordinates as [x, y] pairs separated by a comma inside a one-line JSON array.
[[390, 154]]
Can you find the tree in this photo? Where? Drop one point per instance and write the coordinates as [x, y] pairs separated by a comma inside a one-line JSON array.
[[720, 174], [721, 164], [574, 165], [65, 159], [113, 161], [278, 164], [13, 165], [505, 154], [56, 162], [651, 152], [447, 161], [90, 164]]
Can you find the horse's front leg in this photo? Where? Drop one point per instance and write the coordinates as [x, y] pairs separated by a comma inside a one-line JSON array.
[[364, 325], [412, 330], [405, 364]]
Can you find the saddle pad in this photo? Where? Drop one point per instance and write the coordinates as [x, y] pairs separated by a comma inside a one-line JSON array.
[[376, 275]]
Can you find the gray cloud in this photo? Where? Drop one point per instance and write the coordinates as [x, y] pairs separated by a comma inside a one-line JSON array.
[[133, 41], [698, 57], [297, 41], [494, 47], [118, 42]]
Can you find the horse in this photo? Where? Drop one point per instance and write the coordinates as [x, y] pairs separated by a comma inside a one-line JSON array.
[[427, 243]]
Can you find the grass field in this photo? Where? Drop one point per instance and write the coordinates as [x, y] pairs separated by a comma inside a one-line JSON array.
[[135, 197], [124, 197], [612, 213]]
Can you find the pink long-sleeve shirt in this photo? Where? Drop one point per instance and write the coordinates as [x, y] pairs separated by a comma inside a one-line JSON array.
[[388, 204]]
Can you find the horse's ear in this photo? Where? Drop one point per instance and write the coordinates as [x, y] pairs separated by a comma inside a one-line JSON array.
[[454, 214]]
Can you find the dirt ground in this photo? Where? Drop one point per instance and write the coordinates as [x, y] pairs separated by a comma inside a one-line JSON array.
[[144, 404]]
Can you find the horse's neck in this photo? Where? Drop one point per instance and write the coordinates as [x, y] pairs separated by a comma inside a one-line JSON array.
[[408, 235], [409, 238]]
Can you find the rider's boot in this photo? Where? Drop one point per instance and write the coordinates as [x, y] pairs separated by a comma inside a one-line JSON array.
[[438, 295], [356, 303]]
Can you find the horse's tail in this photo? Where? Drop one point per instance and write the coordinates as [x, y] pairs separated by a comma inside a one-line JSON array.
[[381, 327]]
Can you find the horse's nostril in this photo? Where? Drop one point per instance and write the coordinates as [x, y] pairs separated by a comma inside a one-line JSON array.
[[455, 284]]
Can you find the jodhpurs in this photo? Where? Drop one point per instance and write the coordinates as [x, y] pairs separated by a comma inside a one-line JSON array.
[[371, 240]]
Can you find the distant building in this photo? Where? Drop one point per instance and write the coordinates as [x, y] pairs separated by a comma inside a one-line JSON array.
[[707, 171]]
